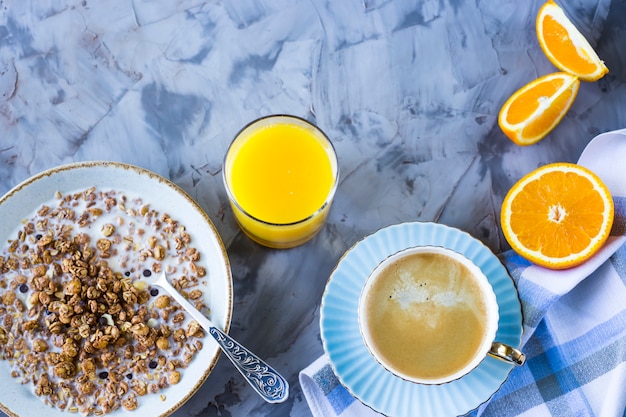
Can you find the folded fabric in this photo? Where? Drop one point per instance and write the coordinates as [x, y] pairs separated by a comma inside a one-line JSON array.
[[574, 327]]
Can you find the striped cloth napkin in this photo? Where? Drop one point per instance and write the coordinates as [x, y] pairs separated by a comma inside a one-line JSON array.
[[574, 326]]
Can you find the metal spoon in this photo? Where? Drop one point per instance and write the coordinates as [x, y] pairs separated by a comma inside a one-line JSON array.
[[268, 383]]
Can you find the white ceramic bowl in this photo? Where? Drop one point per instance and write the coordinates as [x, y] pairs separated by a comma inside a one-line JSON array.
[[163, 196]]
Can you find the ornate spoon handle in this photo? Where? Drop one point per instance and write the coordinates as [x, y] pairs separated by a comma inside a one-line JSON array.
[[268, 383], [263, 378]]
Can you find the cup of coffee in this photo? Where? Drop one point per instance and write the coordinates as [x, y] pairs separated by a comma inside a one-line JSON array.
[[429, 315]]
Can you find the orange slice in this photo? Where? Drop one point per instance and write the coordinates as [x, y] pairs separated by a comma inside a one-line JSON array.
[[558, 215], [565, 46], [536, 108]]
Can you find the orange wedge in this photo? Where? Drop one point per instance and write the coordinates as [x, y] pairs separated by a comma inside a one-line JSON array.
[[565, 46], [536, 108], [558, 215]]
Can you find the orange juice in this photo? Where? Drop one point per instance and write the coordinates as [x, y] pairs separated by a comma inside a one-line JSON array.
[[281, 173]]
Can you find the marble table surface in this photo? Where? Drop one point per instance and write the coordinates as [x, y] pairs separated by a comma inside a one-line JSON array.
[[407, 90]]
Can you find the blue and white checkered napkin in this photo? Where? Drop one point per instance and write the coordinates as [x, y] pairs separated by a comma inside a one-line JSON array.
[[574, 326]]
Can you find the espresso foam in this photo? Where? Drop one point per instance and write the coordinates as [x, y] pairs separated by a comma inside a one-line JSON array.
[[426, 315], [420, 290]]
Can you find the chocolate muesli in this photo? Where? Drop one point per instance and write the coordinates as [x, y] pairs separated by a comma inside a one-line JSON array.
[[79, 320]]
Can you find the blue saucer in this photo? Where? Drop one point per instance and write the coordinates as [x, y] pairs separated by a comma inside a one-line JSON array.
[[365, 378]]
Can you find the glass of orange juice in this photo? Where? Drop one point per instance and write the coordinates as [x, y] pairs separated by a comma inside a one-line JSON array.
[[281, 173]]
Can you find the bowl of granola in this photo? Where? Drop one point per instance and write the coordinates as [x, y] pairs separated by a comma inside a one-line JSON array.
[[81, 328]]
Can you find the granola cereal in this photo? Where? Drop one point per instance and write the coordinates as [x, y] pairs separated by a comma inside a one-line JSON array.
[[79, 320]]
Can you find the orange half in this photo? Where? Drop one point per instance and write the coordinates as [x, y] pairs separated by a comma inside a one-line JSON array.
[[558, 215]]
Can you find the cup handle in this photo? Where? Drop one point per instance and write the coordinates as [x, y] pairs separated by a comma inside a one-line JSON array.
[[507, 353]]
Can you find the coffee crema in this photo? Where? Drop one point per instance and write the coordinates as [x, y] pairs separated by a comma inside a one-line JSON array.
[[426, 316]]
